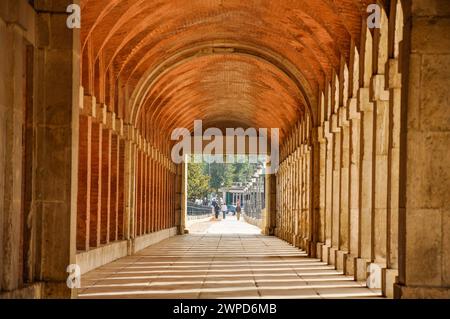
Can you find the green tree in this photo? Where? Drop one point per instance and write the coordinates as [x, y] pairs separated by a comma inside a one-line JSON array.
[[243, 171], [198, 181], [222, 175]]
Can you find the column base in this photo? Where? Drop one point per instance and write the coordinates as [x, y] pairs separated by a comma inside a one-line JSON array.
[[312, 249], [33, 291], [350, 265], [375, 275], [289, 237], [405, 292], [57, 290], [326, 253], [388, 280], [276, 232], [341, 260], [361, 269], [332, 258], [41, 290], [297, 241], [319, 250], [268, 231], [306, 245]]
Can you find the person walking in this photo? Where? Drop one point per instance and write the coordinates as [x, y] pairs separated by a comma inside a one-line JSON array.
[[224, 210], [216, 209], [238, 210]]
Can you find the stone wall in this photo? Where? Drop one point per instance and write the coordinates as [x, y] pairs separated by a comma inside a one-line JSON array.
[[424, 246], [379, 158], [74, 176], [338, 183], [38, 118]]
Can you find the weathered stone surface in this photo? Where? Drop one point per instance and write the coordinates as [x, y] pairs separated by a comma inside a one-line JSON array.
[[364, 127]]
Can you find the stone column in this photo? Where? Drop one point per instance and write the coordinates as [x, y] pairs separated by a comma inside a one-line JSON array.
[[381, 177], [297, 202], [380, 98], [319, 163], [309, 209], [355, 186], [366, 109], [336, 186], [424, 245], [13, 107], [270, 220], [57, 146], [182, 194], [344, 204], [367, 159], [329, 192], [390, 274], [129, 185]]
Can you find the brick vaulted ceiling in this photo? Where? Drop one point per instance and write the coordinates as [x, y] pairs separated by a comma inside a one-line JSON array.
[[231, 63]]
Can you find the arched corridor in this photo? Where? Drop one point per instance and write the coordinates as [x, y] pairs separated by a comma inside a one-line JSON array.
[[356, 92]]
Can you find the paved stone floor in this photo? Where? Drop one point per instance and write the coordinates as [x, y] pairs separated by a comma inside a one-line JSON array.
[[229, 225], [213, 265]]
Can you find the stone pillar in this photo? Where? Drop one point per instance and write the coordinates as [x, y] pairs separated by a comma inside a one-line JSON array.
[[12, 113], [270, 220], [380, 99], [57, 146], [355, 186], [390, 274], [344, 203], [381, 177], [336, 188], [329, 192], [319, 191], [297, 191], [181, 195], [130, 186], [424, 245], [367, 158], [308, 209]]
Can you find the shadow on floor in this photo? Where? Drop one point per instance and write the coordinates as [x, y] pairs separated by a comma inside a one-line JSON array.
[[220, 266]]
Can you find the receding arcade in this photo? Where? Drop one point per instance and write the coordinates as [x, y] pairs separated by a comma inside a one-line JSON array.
[[87, 117]]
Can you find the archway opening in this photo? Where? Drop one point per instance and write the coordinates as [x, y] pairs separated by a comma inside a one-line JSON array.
[[225, 197]]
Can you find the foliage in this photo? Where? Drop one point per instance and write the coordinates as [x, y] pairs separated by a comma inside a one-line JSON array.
[[198, 181], [204, 178], [222, 175]]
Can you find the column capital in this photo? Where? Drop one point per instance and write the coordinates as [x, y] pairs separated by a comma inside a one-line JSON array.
[[343, 117], [128, 132], [354, 113], [111, 120], [334, 124], [119, 126], [395, 77], [365, 104], [100, 113], [88, 105], [378, 88]]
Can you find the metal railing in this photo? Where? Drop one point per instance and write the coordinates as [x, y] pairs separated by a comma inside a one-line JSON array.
[[254, 199], [195, 211]]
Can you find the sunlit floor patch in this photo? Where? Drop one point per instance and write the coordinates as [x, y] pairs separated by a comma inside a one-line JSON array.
[[221, 266]]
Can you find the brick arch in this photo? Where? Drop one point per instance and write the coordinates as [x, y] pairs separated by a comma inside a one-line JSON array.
[[305, 94], [132, 37], [270, 97]]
